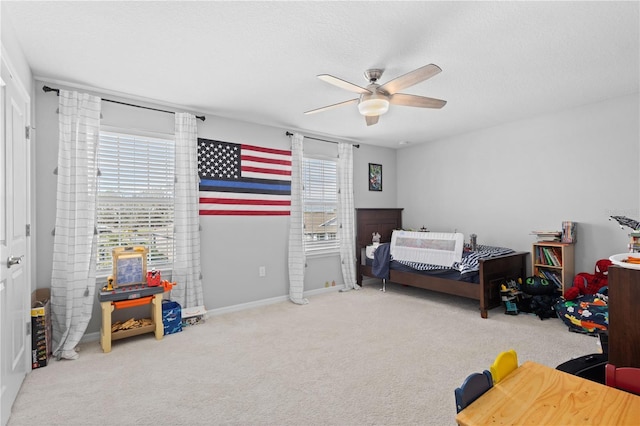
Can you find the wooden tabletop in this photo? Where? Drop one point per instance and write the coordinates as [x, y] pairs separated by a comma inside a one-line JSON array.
[[535, 394]]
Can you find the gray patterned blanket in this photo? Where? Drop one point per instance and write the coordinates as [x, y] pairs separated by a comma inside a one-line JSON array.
[[470, 260]]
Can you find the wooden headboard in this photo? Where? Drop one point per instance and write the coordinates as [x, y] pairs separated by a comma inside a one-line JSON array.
[[368, 221]]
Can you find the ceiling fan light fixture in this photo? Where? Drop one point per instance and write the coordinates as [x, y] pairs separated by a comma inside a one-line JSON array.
[[373, 106], [373, 103]]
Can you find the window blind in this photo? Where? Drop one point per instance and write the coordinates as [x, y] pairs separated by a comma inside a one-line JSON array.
[[320, 200], [135, 197]]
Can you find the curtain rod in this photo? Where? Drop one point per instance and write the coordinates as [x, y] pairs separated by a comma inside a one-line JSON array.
[[323, 140], [47, 89]]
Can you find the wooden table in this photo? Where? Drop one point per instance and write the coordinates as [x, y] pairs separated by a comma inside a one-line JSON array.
[[534, 394], [128, 297]]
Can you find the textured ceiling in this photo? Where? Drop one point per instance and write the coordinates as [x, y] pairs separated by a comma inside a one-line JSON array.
[[258, 61]]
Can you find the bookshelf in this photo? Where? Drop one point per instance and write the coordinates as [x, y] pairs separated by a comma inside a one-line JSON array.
[[554, 261]]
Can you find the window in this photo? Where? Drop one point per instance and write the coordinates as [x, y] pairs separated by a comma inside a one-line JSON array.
[[320, 200], [135, 197]]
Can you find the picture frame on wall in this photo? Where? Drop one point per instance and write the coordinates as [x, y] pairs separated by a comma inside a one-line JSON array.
[[375, 177]]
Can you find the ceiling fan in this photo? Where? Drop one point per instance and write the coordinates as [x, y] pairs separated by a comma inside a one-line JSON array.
[[374, 100]]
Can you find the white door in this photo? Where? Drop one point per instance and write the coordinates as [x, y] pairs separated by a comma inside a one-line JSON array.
[[15, 285]]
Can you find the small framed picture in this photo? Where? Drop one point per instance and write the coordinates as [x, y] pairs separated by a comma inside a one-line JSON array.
[[375, 177]]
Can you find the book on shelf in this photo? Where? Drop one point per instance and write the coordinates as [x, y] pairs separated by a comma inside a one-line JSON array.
[[543, 236], [548, 256], [569, 232], [556, 256], [552, 277]]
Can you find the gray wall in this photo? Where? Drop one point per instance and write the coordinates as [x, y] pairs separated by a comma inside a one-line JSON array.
[[363, 198], [499, 183], [233, 248], [504, 182]]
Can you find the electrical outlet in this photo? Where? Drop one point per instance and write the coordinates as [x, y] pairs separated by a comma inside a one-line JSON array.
[[262, 271]]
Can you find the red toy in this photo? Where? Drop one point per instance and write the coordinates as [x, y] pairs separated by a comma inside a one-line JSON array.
[[153, 278], [585, 283]]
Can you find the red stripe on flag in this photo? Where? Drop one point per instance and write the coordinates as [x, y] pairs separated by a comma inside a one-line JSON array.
[[267, 150], [242, 213], [247, 202], [263, 170], [265, 160]]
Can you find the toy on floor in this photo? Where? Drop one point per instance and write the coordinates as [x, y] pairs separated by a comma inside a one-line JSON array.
[[542, 296], [509, 293], [536, 285], [587, 314], [584, 306], [585, 283]]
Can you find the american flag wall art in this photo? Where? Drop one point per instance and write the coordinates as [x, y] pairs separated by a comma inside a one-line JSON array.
[[243, 180]]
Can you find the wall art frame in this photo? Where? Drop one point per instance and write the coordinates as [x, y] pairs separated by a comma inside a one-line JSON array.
[[375, 177]]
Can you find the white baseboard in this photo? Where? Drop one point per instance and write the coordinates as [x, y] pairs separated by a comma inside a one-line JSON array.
[[270, 301], [95, 337]]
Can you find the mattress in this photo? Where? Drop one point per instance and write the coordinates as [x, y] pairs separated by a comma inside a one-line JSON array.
[[466, 270]]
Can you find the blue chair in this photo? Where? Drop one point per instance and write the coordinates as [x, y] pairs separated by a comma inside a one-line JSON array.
[[473, 386]]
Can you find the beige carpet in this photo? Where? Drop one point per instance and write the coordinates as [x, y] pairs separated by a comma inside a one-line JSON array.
[[356, 358]]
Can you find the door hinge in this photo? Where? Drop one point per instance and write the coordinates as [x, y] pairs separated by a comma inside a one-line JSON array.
[[27, 131], [28, 324], [27, 230]]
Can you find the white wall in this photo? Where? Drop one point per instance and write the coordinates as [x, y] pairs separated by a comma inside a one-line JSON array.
[[12, 55], [12, 52], [504, 182], [233, 248]]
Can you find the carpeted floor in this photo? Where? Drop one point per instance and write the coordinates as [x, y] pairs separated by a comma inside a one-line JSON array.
[[355, 358]]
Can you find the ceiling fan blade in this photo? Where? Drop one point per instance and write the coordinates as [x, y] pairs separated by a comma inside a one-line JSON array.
[[343, 84], [410, 78], [371, 119], [416, 101], [350, 101]]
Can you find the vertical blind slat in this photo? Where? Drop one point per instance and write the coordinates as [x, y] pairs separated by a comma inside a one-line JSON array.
[[135, 196], [320, 201]]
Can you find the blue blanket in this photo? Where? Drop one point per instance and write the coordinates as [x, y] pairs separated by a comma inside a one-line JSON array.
[[381, 259]]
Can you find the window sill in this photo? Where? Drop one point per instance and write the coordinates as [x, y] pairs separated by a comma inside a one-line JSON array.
[[322, 253]]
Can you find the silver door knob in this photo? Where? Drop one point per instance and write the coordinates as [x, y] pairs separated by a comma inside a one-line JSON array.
[[12, 260]]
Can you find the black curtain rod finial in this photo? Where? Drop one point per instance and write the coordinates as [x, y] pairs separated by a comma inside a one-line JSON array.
[[48, 89]]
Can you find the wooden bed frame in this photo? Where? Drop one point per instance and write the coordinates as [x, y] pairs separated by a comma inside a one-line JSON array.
[[493, 272]]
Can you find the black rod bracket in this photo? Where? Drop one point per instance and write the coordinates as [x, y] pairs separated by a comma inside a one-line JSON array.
[[321, 140]]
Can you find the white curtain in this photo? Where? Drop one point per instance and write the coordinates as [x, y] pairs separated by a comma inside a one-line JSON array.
[[73, 274], [296, 225], [186, 265], [346, 232]]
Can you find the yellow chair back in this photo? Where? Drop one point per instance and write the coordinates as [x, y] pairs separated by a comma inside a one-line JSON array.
[[504, 364]]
